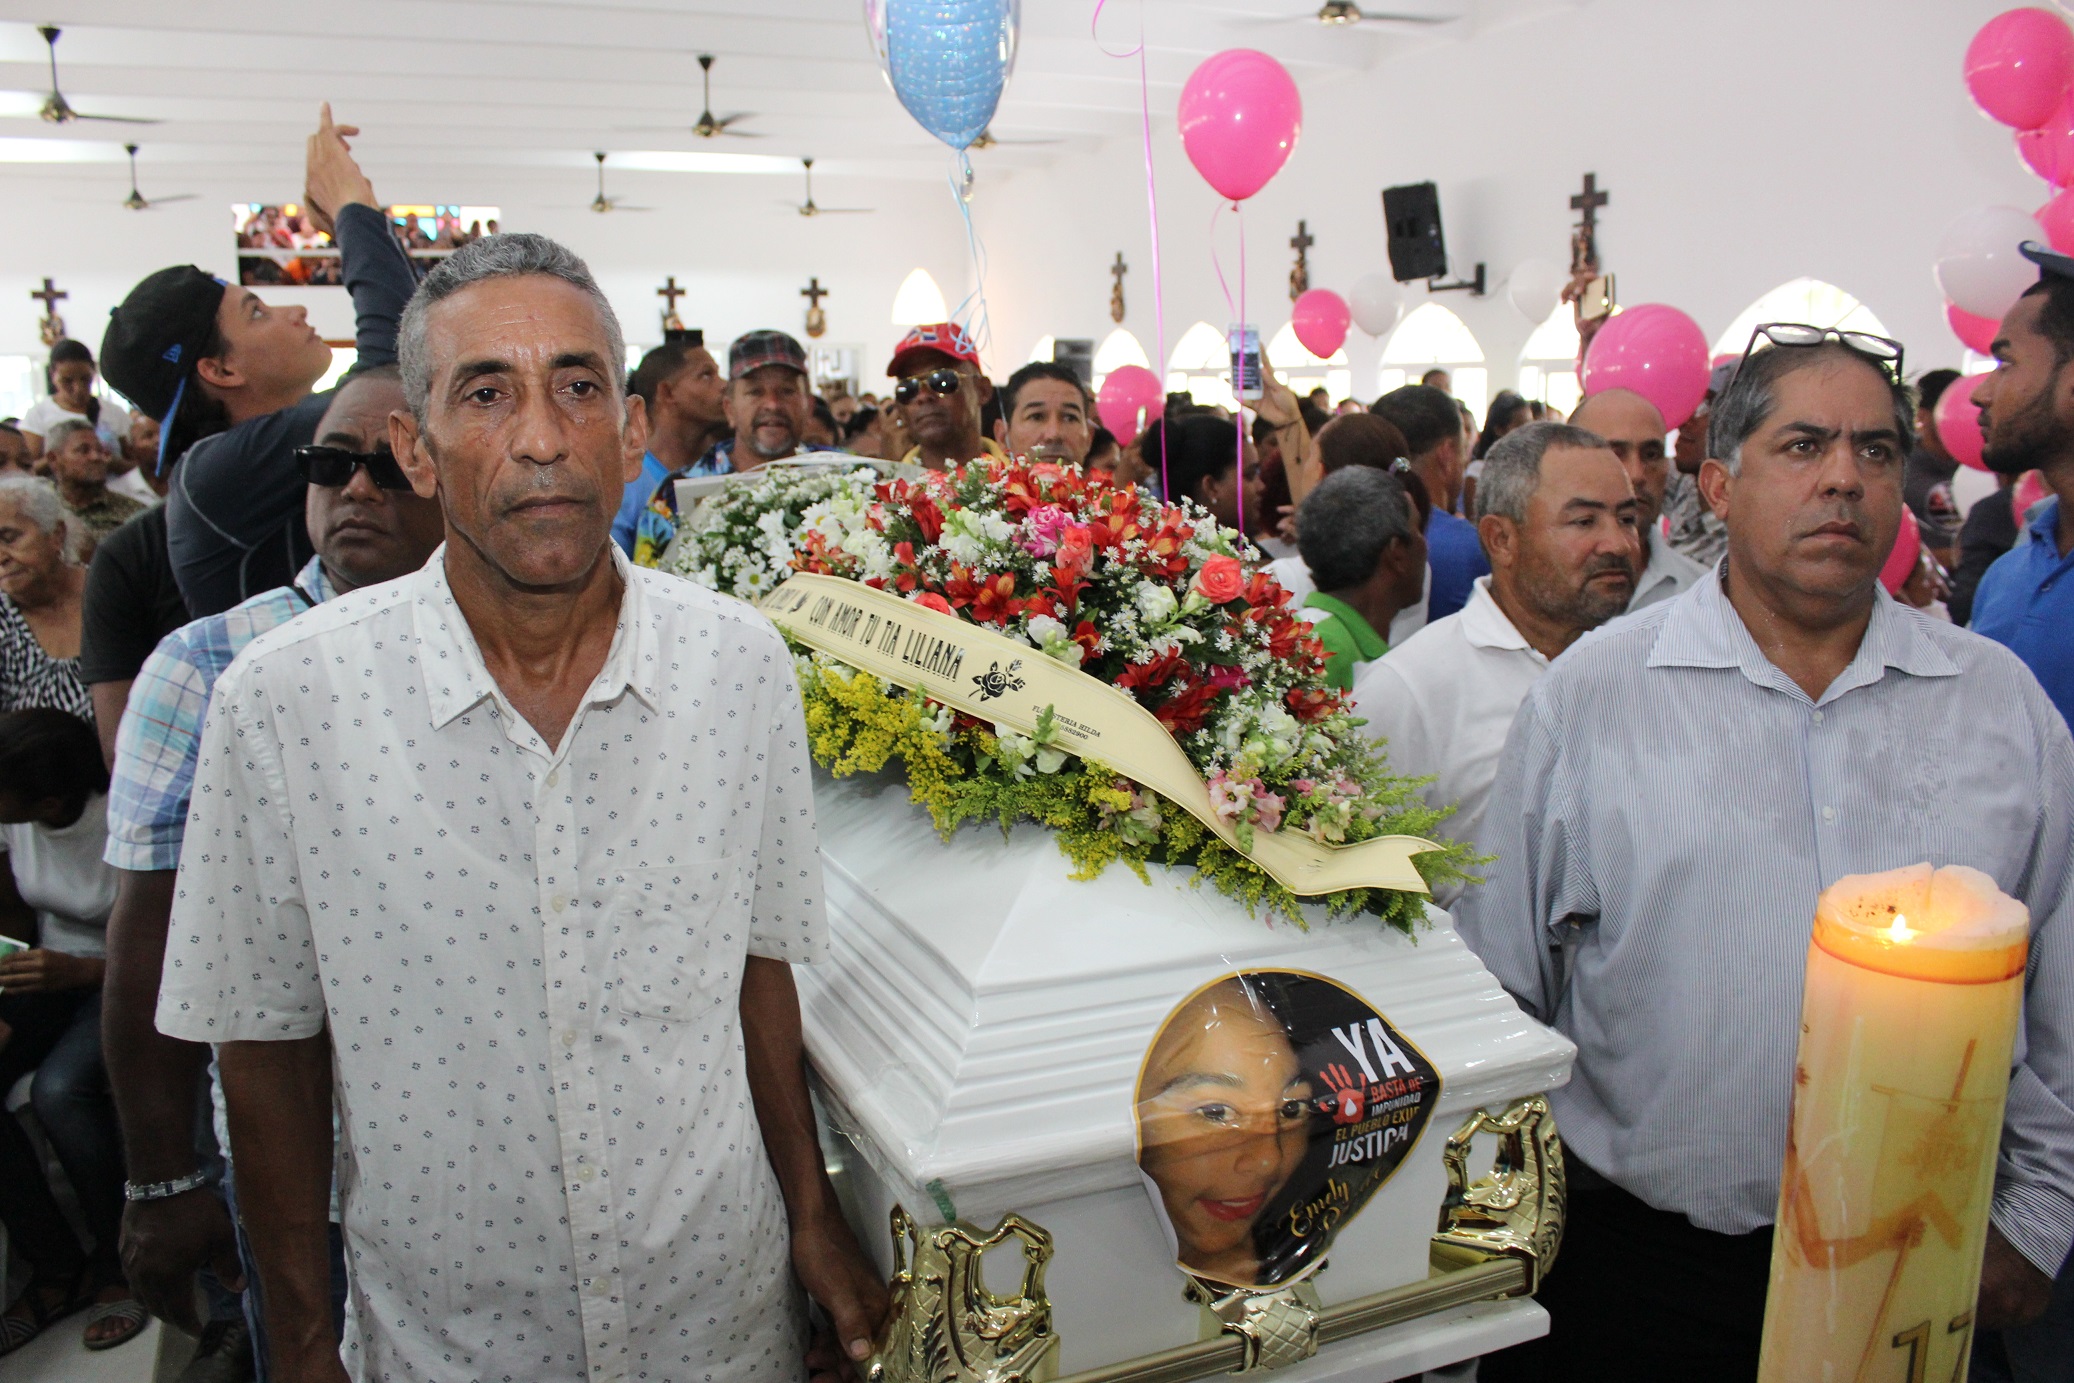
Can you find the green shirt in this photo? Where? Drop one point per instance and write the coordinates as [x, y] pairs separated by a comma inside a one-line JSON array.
[[1347, 637]]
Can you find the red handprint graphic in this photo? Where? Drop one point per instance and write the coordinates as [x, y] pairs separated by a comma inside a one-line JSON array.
[[1349, 1098]]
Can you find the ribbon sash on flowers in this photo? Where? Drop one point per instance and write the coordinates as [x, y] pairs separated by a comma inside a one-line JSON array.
[[994, 678]]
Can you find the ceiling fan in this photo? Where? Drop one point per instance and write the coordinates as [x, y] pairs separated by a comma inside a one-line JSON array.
[[1338, 14], [56, 109], [707, 126], [602, 203], [808, 207], [137, 201], [987, 139]]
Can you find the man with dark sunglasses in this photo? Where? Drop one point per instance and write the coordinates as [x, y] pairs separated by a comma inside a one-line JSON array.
[[1679, 789], [941, 391], [368, 527]]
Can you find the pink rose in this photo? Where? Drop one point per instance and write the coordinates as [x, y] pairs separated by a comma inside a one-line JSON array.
[[931, 600]]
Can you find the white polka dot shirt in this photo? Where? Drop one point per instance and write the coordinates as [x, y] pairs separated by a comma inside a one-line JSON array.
[[530, 963]]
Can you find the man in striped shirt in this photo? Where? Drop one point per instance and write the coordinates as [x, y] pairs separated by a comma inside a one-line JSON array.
[[1674, 795]]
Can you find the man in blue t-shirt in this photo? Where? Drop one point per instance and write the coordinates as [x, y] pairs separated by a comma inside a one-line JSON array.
[[1432, 428], [680, 383]]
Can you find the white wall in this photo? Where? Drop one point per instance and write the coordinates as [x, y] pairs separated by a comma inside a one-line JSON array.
[[1744, 144]]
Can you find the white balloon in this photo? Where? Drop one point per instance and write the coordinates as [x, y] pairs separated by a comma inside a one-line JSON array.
[[1377, 301], [1978, 266], [1535, 287]]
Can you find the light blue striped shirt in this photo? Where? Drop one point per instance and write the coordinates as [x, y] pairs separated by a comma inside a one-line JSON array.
[[1668, 807]]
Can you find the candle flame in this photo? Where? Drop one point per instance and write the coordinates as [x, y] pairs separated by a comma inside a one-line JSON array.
[[1900, 932]]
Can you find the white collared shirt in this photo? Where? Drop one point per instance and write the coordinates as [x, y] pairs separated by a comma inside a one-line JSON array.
[[1444, 700], [1668, 572], [530, 962]]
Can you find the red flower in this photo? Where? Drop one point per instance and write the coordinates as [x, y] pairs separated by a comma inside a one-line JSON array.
[[927, 517], [1153, 673], [935, 602], [1085, 634], [1186, 712], [1263, 589], [1221, 579], [1310, 704]]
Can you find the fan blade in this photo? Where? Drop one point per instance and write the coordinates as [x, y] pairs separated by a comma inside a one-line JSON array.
[[176, 197], [116, 119], [844, 210]]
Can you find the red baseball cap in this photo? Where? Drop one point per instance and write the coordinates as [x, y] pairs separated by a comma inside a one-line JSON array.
[[944, 338]]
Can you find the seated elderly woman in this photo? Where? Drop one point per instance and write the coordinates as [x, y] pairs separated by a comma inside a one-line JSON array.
[[79, 464], [55, 898], [42, 586]]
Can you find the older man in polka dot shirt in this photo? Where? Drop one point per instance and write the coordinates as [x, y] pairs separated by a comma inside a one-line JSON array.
[[511, 858]]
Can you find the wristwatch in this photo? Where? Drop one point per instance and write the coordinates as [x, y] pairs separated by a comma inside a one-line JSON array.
[[163, 1190]]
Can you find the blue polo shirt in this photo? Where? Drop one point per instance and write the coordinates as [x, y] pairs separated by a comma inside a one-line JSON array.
[[2026, 602], [634, 500], [1456, 555]]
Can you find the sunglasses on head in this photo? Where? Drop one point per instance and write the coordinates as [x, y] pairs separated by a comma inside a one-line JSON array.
[[333, 467], [1880, 350], [943, 383]]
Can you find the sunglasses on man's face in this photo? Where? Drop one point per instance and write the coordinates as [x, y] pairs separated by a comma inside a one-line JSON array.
[[943, 383], [333, 467]]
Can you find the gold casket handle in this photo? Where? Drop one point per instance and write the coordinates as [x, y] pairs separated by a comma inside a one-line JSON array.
[[1515, 1212]]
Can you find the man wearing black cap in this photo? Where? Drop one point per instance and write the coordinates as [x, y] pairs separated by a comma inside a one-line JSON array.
[[231, 378]]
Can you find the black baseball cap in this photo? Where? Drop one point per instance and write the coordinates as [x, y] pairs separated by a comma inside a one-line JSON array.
[[2047, 259], [153, 339]]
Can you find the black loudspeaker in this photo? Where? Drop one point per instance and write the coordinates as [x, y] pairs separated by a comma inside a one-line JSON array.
[[1411, 217], [1076, 353]]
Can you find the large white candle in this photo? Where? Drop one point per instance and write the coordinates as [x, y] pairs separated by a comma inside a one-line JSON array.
[[1914, 988]]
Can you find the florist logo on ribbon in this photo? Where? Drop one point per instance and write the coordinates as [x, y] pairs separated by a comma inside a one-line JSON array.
[[994, 682]]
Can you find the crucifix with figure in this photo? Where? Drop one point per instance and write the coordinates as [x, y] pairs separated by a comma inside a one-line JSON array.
[[817, 320], [52, 328], [1300, 273], [669, 293], [1584, 260], [1117, 271]]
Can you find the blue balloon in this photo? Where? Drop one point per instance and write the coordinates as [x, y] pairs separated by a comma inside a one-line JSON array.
[[947, 60]]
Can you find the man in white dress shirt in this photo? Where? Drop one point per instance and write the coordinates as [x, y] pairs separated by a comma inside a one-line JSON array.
[[1557, 519], [1635, 430], [520, 850]]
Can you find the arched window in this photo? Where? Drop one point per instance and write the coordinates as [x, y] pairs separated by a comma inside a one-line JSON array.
[[1303, 372], [1548, 364], [1118, 349], [1201, 365], [1430, 338], [1807, 300]]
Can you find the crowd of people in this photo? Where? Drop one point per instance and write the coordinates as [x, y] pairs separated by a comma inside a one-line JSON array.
[[310, 845]]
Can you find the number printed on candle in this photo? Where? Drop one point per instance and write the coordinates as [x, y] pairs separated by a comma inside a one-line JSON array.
[[1916, 1340]]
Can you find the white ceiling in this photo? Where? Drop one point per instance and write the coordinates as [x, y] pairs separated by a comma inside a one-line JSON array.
[[463, 98]]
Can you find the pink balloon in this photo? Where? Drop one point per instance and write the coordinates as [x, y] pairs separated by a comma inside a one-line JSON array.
[[1320, 320], [1655, 351], [2048, 150], [2056, 219], [1958, 422], [1240, 116], [1975, 332], [2030, 488], [1907, 551], [1131, 397], [2020, 65]]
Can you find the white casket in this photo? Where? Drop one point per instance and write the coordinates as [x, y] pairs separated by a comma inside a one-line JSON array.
[[978, 1035]]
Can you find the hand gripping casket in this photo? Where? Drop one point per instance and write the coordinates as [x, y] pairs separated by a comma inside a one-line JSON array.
[[1001, 1050]]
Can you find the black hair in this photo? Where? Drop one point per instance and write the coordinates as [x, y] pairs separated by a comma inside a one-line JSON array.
[[1313, 416], [860, 423], [1197, 449], [656, 366], [1751, 395], [1502, 407], [70, 352], [49, 753], [2055, 314], [989, 414], [200, 414], [1422, 413], [1036, 370], [826, 417], [1930, 388]]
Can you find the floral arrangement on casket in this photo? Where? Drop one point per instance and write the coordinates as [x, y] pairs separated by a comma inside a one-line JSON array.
[[1150, 597]]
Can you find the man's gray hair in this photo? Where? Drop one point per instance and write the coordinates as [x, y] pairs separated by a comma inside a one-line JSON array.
[[1751, 394], [58, 433], [513, 255], [39, 503], [1345, 525], [1512, 467]]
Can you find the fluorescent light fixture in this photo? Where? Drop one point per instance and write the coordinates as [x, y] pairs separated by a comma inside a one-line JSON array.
[[919, 301]]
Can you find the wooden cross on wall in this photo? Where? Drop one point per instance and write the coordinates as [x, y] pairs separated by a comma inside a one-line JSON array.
[[669, 293], [817, 320], [52, 328], [1300, 274], [1117, 270]]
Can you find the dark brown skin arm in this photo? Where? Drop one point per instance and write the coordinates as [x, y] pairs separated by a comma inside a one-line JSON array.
[[154, 1079], [110, 700], [825, 1255], [279, 1094]]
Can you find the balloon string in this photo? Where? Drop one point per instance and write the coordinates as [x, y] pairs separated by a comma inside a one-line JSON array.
[[1239, 414], [980, 328], [1159, 297]]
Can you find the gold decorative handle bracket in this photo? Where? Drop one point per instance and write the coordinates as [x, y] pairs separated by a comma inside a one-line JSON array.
[[1515, 1212], [1275, 1328], [946, 1326]]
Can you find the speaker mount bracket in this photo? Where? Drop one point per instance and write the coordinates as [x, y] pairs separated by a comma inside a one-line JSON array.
[[1474, 286]]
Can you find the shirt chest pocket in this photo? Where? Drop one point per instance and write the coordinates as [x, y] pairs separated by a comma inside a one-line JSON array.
[[679, 933]]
